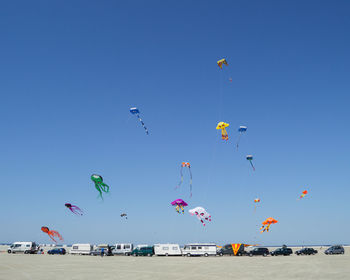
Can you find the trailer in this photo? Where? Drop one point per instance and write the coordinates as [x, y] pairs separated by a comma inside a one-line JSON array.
[[167, 250], [81, 249], [199, 249]]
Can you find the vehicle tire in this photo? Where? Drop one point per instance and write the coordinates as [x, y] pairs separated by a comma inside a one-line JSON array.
[[221, 254], [188, 255], [239, 254], [149, 255], [206, 255], [9, 251], [264, 255], [250, 255], [26, 252], [167, 255]]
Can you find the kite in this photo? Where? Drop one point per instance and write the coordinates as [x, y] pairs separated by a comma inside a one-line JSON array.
[[257, 200], [51, 233], [99, 185], [185, 164], [180, 204], [201, 214], [267, 223], [124, 215], [250, 158], [221, 62], [75, 209], [230, 79], [136, 112], [303, 194], [242, 129], [222, 126]]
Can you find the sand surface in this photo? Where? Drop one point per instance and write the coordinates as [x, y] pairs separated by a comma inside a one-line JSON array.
[[320, 266]]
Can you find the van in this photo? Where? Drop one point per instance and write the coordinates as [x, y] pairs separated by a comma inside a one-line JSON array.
[[167, 250], [235, 249], [143, 251], [81, 249], [123, 249], [199, 249], [23, 247]]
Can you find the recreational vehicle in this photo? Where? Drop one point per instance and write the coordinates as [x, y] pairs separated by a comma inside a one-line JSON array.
[[167, 250], [81, 249], [23, 247], [199, 249], [123, 249]]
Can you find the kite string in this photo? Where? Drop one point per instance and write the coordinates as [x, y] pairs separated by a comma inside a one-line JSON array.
[[142, 123]]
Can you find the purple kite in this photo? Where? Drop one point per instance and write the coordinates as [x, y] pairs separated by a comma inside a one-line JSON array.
[[75, 209], [180, 204]]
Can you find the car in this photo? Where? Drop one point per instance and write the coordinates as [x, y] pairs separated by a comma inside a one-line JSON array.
[[306, 251], [335, 250], [57, 251], [259, 252], [97, 252], [143, 251], [235, 249], [284, 251]]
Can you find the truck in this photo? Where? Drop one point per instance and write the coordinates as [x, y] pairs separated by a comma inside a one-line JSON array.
[[199, 249], [167, 250], [23, 247], [81, 249]]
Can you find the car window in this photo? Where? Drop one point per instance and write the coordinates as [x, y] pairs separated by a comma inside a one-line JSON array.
[[75, 247], [199, 248], [166, 248], [185, 248], [127, 246], [174, 248], [194, 248], [119, 247]]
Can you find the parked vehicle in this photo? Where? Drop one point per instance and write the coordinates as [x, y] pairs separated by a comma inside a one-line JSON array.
[[98, 251], [123, 249], [306, 251], [81, 249], [57, 251], [236, 249], [199, 249], [167, 250], [259, 252], [143, 251], [284, 251], [23, 247], [335, 250]]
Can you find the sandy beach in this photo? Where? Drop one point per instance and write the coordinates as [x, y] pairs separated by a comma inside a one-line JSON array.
[[45, 266]]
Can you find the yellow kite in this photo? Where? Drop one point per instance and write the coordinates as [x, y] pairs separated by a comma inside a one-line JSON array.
[[222, 126], [221, 62]]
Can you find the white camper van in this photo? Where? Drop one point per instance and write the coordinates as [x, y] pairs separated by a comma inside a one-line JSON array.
[[123, 249], [167, 250], [23, 247], [81, 249], [199, 249]]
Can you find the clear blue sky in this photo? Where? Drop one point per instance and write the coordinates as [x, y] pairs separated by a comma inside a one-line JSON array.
[[69, 72]]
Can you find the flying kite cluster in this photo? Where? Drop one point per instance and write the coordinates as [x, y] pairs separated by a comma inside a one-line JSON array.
[[179, 204]]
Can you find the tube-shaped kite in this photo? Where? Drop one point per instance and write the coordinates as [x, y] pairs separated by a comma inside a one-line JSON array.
[[221, 62], [201, 214], [75, 209], [222, 126], [250, 159], [256, 201], [52, 233], [136, 112], [99, 185], [303, 194], [267, 223], [242, 129], [185, 164], [179, 204], [124, 215]]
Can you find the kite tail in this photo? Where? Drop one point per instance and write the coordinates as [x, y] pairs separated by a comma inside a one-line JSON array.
[[182, 179], [56, 234], [142, 123], [183, 212], [189, 168], [177, 209], [76, 210], [224, 134], [99, 190], [52, 238], [239, 138], [104, 187], [252, 165]]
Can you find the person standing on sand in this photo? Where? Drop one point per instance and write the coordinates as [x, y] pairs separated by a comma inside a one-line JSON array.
[[102, 252]]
